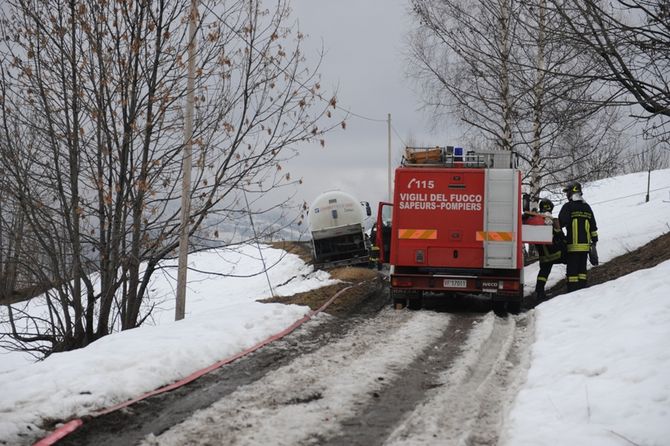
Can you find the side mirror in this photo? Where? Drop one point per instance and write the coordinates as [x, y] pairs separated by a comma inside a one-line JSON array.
[[368, 211]]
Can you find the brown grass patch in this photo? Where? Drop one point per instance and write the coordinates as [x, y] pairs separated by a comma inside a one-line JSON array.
[[365, 281], [647, 256]]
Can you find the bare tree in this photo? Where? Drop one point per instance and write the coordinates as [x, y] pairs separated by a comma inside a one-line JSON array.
[[15, 278], [652, 155], [495, 65], [101, 85], [462, 56], [564, 127], [631, 40]]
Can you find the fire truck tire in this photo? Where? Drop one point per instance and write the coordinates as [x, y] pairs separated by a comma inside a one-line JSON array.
[[398, 301], [415, 302], [499, 307], [514, 307]]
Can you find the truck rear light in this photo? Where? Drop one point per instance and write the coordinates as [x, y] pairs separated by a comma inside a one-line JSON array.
[[510, 285], [401, 282]]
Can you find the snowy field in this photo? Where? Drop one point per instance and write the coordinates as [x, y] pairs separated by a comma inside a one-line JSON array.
[[600, 366]]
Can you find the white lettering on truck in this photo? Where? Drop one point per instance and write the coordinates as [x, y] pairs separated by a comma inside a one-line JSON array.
[[444, 202]]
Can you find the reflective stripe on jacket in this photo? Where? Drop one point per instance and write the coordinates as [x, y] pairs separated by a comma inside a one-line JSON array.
[[552, 253], [549, 254]]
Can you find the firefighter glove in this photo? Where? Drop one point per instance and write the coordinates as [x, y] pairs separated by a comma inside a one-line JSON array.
[[593, 255]]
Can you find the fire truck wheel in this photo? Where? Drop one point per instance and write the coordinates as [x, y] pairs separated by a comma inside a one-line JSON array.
[[499, 307], [398, 301], [415, 302], [514, 307]]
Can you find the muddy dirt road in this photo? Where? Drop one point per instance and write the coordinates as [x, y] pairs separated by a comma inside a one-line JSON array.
[[376, 376]]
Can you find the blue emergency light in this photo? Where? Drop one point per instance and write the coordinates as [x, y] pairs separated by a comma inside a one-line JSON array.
[[458, 153]]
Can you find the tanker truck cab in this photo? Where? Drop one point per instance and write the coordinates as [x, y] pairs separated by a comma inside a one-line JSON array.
[[455, 227]]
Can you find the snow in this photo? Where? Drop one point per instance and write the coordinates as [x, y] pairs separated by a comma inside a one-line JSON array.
[[600, 367], [599, 371], [222, 319]]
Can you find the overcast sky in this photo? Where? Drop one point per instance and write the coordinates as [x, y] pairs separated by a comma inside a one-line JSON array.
[[365, 60]]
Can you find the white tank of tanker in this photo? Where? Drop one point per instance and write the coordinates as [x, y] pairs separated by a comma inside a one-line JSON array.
[[336, 223]]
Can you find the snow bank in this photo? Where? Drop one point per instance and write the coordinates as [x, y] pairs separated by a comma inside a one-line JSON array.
[[600, 368], [222, 319]]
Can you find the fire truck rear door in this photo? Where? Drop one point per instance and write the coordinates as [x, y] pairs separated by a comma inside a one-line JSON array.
[[501, 212]]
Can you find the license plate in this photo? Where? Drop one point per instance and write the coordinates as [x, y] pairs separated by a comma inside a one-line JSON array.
[[455, 283]]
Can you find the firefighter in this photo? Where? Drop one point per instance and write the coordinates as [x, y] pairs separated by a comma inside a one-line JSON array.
[[577, 218], [549, 254], [374, 249]]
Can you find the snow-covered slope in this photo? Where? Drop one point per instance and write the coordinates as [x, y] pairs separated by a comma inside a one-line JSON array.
[[222, 319], [600, 367]]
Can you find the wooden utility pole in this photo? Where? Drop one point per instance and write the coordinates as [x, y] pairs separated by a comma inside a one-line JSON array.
[[180, 307], [390, 197]]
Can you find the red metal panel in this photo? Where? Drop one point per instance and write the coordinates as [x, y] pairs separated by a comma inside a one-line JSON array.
[[455, 257], [449, 201]]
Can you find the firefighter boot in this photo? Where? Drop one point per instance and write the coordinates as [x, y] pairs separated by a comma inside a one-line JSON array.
[[573, 284], [540, 295]]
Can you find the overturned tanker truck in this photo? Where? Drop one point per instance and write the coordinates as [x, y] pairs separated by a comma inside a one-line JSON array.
[[337, 226]]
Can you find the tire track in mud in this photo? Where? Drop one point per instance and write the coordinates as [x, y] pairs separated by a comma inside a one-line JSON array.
[[157, 414], [373, 423], [476, 391], [306, 401], [389, 377], [402, 378]]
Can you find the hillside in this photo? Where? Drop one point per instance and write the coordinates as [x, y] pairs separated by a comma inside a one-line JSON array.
[[648, 256]]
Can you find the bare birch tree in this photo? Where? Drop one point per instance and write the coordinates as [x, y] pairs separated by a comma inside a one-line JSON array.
[[100, 85], [462, 54], [567, 134], [494, 64], [629, 42]]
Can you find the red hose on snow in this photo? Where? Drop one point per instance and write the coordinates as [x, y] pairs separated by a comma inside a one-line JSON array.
[[72, 425]]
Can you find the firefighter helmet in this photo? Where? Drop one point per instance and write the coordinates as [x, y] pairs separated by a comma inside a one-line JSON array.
[[574, 188], [546, 205]]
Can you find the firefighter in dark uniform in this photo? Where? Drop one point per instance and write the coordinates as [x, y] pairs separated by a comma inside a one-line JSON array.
[[549, 254], [577, 218]]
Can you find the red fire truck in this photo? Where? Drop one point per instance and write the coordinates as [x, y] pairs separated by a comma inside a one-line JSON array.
[[455, 226]]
